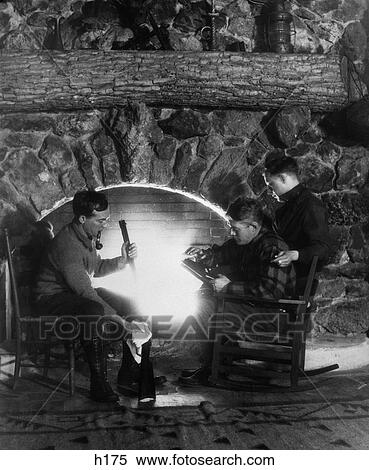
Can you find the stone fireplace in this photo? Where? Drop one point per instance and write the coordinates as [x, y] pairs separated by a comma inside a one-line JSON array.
[[65, 127]]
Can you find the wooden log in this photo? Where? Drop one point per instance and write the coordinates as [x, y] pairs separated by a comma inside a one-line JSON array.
[[89, 79]]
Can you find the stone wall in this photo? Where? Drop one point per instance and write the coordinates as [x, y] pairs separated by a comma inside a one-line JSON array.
[[218, 154], [45, 158]]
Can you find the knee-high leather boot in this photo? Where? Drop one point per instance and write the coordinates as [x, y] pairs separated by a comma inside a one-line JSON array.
[[147, 389], [100, 389], [129, 372], [134, 379]]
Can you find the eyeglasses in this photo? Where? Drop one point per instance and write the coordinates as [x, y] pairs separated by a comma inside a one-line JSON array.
[[103, 221]]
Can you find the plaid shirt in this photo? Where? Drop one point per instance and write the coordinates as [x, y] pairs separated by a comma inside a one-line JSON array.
[[250, 268]]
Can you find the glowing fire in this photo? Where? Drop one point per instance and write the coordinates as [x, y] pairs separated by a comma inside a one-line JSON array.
[[159, 284]]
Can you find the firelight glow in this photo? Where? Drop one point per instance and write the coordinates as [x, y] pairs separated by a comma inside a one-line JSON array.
[[159, 285]]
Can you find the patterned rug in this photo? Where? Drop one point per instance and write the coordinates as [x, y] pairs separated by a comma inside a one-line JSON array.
[[307, 420]]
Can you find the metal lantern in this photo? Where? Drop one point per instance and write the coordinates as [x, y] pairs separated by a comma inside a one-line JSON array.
[[279, 29]]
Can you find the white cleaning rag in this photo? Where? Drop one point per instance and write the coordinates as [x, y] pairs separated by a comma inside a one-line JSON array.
[[140, 335]]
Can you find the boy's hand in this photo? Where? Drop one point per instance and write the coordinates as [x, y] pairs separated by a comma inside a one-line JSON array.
[[284, 258], [220, 282]]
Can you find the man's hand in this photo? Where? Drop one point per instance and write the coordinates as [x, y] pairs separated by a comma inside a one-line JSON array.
[[220, 282], [284, 258], [128, 252]]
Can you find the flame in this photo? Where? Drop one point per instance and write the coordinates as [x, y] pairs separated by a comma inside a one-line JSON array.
[[159, 285]]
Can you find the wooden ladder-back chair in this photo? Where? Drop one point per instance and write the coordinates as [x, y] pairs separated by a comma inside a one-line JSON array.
[[267, 361], [23, 321]]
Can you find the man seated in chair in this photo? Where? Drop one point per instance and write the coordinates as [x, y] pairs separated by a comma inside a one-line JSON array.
[[64, 288], [301, 220], [248, 260]]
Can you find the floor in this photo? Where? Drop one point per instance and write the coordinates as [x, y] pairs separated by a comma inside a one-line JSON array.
[[332, 413]]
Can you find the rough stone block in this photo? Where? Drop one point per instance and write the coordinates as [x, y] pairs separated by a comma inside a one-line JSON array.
[[346, 208], [210, 147], [194, 174], [227, 178], [317, 176], [192, 18], [166, 148], [357, 288], [27, 122], [329, 152], [348, 316], [182, 162], [31, 177], [31, 140], [61, 162], [256, 179], [257, 149], [354, 41], [347, 270], [88, 163], [237, 123], [10, 19], [184, 123], [352, 168], [339, 237], [331, 288], [290, 123], [299, 150], [161, 172], [104, 148], [77, 124]]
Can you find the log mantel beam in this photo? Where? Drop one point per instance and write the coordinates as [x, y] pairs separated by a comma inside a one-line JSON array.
[[89, 79]]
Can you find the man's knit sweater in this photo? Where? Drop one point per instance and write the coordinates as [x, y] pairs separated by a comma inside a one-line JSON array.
[[69, 264]]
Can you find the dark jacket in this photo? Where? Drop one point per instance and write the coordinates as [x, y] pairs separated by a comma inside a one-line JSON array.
[[302, 223]]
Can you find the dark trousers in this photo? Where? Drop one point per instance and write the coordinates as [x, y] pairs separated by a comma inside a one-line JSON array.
[[89, 324], [76, 315]]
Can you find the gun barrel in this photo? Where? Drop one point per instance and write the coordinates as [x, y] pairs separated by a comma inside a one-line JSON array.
[[124, 230]]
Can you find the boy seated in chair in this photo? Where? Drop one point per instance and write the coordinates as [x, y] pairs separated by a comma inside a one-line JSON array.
[[248, 259]]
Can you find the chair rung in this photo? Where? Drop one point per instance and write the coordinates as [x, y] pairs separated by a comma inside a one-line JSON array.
[[245, 386], [257, 300], [266, 357], [274, 356], [277, 347], [251, 371]]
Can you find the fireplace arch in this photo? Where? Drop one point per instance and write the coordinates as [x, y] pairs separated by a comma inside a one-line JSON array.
[[163, 223]]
